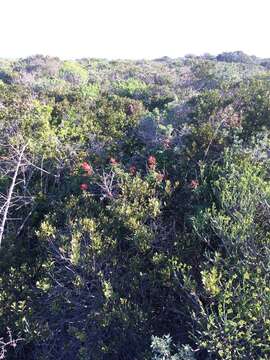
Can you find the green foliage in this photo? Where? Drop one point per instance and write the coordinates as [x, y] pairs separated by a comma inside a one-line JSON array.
[[235, 280], [89, 91], [255, 98], [132, 88], [232, 325], [73, 72], [36, 128]]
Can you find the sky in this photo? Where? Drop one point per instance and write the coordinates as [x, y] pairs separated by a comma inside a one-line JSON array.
[[133, 29]]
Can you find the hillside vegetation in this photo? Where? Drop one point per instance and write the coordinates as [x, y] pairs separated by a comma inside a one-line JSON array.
[[134, 208]]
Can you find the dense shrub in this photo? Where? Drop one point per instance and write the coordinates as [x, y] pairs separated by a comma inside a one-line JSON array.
[[134, 208]]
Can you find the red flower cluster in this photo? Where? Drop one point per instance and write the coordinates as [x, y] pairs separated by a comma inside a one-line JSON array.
[[151, 162], [84, 187], [87, 168], [133, 170], [194, 184], [113, 162]]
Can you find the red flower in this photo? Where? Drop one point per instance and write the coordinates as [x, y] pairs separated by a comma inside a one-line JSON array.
[[87, 168], [113, 162], [133, 170], [194, 184], [151, 162], [84, 187]]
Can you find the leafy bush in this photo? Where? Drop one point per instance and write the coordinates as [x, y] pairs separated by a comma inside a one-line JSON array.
[[235, 297], [73, 72]]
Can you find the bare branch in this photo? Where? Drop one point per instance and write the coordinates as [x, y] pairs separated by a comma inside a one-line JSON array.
[[10, 193]]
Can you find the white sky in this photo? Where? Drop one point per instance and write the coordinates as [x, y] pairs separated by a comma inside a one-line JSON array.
[[133, 28]]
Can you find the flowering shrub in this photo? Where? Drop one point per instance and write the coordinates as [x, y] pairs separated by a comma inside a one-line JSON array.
[[194, 184], [151, 162], [87, 168], [84, 187]]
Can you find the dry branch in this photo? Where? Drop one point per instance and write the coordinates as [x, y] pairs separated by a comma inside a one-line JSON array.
[[10, 193]]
